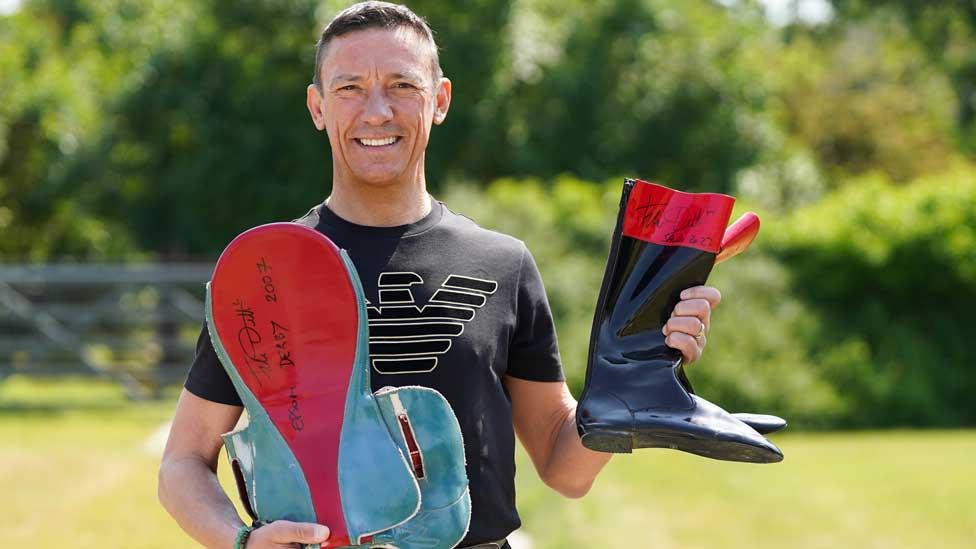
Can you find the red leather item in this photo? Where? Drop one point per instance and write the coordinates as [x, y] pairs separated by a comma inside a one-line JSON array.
[[738, 236], [416, 460], [287, 312], [668, 217]]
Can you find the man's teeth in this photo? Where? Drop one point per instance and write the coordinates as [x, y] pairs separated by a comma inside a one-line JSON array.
[[378, 142]]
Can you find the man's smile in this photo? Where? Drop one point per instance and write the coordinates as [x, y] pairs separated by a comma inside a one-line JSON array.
[[381, 142]]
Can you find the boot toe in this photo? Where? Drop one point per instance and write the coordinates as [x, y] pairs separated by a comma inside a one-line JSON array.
[[706, 430], [762, 423]]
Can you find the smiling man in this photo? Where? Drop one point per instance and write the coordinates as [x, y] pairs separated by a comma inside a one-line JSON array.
[[377, 91]]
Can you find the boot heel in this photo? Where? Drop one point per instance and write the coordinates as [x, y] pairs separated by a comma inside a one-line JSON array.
[[614, 442]]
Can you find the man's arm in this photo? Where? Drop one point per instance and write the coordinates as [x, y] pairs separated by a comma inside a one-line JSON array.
[[188, 486], [544, 413]]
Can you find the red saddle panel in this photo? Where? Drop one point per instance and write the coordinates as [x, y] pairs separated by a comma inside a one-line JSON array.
[[286, 311]]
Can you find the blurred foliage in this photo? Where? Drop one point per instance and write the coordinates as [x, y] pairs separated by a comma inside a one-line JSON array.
[[891, 274], [162, 128], [662, 88], [947, 31], [180, 156], [864, 98]]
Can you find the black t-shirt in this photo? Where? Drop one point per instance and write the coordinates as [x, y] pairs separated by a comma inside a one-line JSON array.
[[453, 307]]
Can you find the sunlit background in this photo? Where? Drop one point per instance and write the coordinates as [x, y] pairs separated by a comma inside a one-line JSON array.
[[137, 138]]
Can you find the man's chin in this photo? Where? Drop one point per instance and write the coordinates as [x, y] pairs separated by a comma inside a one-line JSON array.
[[381, 179]]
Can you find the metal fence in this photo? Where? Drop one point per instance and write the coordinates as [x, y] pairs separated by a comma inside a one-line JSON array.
[[134, 323]]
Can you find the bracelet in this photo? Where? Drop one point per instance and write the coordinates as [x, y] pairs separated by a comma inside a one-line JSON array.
[[242, 535]]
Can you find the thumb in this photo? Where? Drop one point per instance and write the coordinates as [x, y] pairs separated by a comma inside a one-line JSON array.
[[297, 532]]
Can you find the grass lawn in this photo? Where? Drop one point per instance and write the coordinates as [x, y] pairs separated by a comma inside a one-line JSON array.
[[78, 468]]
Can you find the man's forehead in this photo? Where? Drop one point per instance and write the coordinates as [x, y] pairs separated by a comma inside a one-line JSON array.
[[394, 52]]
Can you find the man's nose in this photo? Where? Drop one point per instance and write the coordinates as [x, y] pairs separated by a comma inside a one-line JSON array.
[[378, 110]]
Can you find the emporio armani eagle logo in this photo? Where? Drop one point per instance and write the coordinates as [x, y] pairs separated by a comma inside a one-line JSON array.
[[405, 338]]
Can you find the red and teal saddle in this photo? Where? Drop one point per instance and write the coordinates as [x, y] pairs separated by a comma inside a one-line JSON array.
[[287, 318]]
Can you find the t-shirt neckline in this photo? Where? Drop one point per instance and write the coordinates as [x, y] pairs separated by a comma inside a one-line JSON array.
[[328, 217]]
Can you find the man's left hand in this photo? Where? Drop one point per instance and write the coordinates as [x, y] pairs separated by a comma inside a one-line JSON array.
[[688, 326]]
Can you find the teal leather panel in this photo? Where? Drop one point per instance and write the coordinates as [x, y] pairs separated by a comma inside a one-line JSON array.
[[438, 435], [432, 529], [445, 503], [378, 490], [276, 487]]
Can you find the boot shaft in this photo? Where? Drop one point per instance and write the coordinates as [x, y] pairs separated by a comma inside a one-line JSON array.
[[664, 242]]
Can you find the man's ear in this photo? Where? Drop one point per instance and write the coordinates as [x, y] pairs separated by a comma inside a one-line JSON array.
[[442, 100], [314, 101]]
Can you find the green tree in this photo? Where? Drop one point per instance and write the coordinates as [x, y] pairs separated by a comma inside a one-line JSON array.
[[658, 89], [867, 99], [947, 32], [891, 273], [57, 73]]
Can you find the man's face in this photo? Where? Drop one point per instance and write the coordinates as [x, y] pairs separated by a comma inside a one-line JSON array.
[[379, 98]]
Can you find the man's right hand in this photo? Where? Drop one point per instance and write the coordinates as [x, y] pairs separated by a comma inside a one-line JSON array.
[[283, 533]]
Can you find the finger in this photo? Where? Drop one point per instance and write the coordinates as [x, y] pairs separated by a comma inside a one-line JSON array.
[[689, 347], [708, 293], [297, 532], [697, 308], [690, 325]]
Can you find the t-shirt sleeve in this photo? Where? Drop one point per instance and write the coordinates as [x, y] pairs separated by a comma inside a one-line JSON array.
[[533, 353], [207, 378]]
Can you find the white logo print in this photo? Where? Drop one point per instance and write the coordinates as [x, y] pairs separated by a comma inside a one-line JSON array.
[[407, 339]]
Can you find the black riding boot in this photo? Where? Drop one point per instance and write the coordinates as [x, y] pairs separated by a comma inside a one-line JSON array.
[[636, 393]]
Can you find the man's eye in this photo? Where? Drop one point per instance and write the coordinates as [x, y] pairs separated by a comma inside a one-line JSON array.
[[350, 87], [404, 85]]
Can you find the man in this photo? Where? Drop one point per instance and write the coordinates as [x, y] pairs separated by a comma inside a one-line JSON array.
[[377, 90]]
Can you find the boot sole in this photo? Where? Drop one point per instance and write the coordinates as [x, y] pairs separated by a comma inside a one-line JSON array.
[[622, 442]]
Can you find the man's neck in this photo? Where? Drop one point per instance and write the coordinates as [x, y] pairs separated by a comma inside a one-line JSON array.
[[380, 206]]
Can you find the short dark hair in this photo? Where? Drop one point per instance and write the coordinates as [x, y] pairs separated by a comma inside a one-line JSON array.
[[373, 15]]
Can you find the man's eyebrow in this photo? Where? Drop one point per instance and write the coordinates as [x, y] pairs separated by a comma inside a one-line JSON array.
[[407, 75], [345, 78]]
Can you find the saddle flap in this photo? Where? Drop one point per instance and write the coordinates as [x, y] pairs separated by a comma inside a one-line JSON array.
[[425, 428], [379, 491], [270, 484]]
